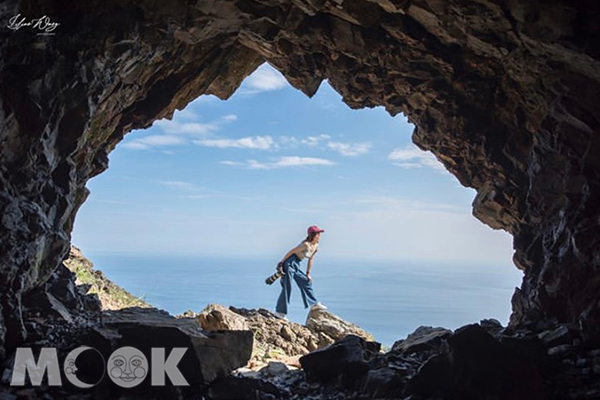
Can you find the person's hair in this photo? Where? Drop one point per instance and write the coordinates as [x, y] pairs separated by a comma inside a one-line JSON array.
[[310, 237]]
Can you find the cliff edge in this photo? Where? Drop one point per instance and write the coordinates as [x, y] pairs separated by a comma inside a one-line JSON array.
[[92, 281]]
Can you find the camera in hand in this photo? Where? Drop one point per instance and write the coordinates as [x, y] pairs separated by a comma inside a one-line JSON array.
[[276, 275]]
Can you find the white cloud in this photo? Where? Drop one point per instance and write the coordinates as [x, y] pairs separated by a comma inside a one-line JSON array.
[[345, 149], [290, 141], [408, 165], [179, 185], [186, 128], [282, 162], [257, 142], [230, 117], [153, 141], [264, 79], [313, 141], [295, 161], [412, 157], [176, 132], [349, 149]]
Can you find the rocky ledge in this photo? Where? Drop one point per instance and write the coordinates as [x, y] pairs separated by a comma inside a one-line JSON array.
[[276, 339], [93, 282], [477, 361]]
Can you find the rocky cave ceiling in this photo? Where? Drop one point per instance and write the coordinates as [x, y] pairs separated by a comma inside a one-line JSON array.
[[505, 93]]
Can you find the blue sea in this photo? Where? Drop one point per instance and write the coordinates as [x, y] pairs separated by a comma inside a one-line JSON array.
[[388, 299]]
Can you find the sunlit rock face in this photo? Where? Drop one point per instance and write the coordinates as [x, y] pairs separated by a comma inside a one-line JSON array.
[[505, 94]]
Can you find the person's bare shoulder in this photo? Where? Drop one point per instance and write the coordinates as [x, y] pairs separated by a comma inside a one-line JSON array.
[[302, 247]]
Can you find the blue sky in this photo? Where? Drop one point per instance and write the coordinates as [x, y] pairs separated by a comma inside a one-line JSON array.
[[245, 177]]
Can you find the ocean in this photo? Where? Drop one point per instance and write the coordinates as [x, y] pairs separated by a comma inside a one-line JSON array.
[[388, 299]]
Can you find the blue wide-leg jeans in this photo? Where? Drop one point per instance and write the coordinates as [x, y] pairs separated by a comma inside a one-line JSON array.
[[291, 267]]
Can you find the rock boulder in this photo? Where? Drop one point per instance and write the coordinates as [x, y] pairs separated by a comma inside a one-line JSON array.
[[330, 327], [216, 317], [343, 361]]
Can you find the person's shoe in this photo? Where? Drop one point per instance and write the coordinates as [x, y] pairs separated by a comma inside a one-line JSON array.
[[318, 306], [281, 316]]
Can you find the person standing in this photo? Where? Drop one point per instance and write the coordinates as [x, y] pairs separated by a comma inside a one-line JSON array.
[[291, 267]]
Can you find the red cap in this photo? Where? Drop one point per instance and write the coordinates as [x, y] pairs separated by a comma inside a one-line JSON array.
[[315, 229]]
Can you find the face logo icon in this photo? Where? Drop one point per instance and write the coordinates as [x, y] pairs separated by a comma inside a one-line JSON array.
[[70, 367], [127, 367]]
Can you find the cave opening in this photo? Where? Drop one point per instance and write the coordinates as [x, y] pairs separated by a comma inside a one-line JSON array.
[[505, 94], [196, 209]]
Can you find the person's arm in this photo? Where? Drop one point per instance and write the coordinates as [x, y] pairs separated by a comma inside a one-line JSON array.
[[309, 266], [289, 253]]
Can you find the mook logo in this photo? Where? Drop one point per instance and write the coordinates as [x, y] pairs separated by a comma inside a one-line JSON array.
[[126, 367]]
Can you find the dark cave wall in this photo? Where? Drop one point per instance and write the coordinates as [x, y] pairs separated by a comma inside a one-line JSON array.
[[505, 93]]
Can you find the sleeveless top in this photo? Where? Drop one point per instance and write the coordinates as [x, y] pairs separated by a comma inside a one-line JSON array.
[[305, 249]]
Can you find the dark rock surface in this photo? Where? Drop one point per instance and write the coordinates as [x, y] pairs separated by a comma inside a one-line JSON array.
[[477, 361], [505, 94], [208, 355], [211, 354], [344, 360], [423, 338], [474, 365]]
